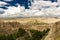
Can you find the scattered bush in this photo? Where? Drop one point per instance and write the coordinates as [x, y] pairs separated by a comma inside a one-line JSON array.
[[38, 35], [14, 36], [21, 32], [3, 37]]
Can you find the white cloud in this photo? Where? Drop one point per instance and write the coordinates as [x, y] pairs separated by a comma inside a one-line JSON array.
[[8, 0], [13, 11], [1, 3], [37, 9]]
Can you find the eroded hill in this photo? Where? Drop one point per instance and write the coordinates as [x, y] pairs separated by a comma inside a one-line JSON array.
[[42, 29]]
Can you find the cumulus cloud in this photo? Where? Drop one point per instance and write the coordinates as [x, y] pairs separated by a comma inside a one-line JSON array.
[[2, 3], [13, 11], [40, 8]]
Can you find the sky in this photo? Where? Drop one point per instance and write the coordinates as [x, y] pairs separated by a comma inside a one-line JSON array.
[[14, 2], [21, 2], [24, 8]]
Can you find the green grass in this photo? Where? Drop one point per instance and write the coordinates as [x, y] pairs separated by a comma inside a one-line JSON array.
[[57, 37]]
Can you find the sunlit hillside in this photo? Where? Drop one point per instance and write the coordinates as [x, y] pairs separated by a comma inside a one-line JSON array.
[[30, 29]]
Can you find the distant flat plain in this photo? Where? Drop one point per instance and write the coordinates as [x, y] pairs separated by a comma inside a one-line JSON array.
[[24, 20]]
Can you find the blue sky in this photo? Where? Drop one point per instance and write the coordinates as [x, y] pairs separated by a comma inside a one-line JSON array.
[[20, 8], [14, 2], [21, 2]]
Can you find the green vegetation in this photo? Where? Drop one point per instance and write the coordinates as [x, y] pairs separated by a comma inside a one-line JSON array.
[[14, 36], [57, 37], [36, 35], [2, 37]]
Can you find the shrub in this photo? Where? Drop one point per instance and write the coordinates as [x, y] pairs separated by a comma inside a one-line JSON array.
[[2, 37], [13, 36], [38, 35], [21, 32]]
